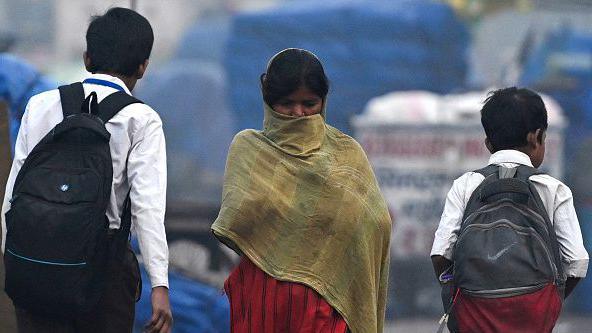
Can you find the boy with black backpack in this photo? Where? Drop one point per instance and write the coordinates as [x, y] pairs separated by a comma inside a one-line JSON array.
[[508, 248], [89, 163]]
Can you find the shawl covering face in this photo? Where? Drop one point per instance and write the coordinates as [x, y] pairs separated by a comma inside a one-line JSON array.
[[302, 203]]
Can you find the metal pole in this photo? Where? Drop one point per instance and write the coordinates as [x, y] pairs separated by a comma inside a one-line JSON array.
[[134, 5]]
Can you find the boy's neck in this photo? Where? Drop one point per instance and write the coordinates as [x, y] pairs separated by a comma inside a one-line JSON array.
[[528, 152], [129, 82]]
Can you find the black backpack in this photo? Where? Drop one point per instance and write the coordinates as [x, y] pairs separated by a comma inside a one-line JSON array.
[[506, 247], [58, 243]]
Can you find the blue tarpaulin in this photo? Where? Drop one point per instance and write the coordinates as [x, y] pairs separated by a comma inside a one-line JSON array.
[[561, 66], [368, 48], [196, 307], [19, 81]]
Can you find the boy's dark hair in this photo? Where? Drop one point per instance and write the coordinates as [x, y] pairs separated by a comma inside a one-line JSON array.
[[118, 41], [509, 114], [288, 71]]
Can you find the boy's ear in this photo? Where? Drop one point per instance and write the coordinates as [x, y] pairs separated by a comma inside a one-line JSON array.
[[535, 138], [87, 61], [489, 145], [142, 69], [540, 135]]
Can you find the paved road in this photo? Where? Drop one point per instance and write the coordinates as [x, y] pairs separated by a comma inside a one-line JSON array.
[[430, 325]]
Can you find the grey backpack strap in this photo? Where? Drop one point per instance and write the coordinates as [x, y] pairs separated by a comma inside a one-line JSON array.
[[499, 180], [488, 170], [474, 202], [507, 172], [524, 173]]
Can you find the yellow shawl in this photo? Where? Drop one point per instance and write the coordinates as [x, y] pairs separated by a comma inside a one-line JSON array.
[[302, 203]]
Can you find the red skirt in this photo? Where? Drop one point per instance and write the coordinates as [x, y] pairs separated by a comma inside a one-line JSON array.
[[262, 304]]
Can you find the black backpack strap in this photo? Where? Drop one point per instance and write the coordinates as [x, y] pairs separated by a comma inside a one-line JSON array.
[[120, 238], [71, 97], [114, 103], [126, 217], [108, 108], [124, 235]]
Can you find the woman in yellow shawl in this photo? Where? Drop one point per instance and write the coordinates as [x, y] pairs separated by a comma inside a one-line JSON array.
[[302, 207]]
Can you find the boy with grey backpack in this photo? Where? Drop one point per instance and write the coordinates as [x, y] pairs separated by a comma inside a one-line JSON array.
[[508, 248]]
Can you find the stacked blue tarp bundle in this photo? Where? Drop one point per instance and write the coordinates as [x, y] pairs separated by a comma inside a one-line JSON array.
[[189, 97], [19, 81], [205, 40], [561, 66], [368, 48]]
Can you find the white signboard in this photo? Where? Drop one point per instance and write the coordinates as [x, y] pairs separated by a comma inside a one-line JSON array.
[[415, 165]]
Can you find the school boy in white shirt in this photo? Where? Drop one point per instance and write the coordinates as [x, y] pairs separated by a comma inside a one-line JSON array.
[[118, 47], [515, 123]]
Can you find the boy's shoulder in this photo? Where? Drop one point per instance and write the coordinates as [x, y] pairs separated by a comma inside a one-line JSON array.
[[40, 105], [49, 98], [551, 183], [469, 177]]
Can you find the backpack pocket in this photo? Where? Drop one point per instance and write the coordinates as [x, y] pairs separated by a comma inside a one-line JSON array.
[[502, 259], [53, 234], [65, 186], [50, 232], [46, 287]]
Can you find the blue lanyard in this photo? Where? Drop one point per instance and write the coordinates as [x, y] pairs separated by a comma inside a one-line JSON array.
[[104, 83]]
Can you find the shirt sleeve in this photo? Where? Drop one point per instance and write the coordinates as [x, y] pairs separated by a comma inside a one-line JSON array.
[[20, 154], [569, 236], [147, 174], [451, 219]]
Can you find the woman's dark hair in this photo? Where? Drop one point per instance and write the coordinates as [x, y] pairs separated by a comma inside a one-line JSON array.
[[118, 41], [509, 114], [289, 70]]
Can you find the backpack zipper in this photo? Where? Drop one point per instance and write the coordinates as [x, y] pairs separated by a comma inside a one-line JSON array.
[[495, 205], [506, 292], [45, 262]]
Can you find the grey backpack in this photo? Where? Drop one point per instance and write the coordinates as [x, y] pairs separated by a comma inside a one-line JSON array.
[[507, 273], [506, 244]]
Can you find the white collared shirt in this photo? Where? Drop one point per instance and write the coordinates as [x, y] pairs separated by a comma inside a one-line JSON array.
[[139, 161], [556, 197]]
